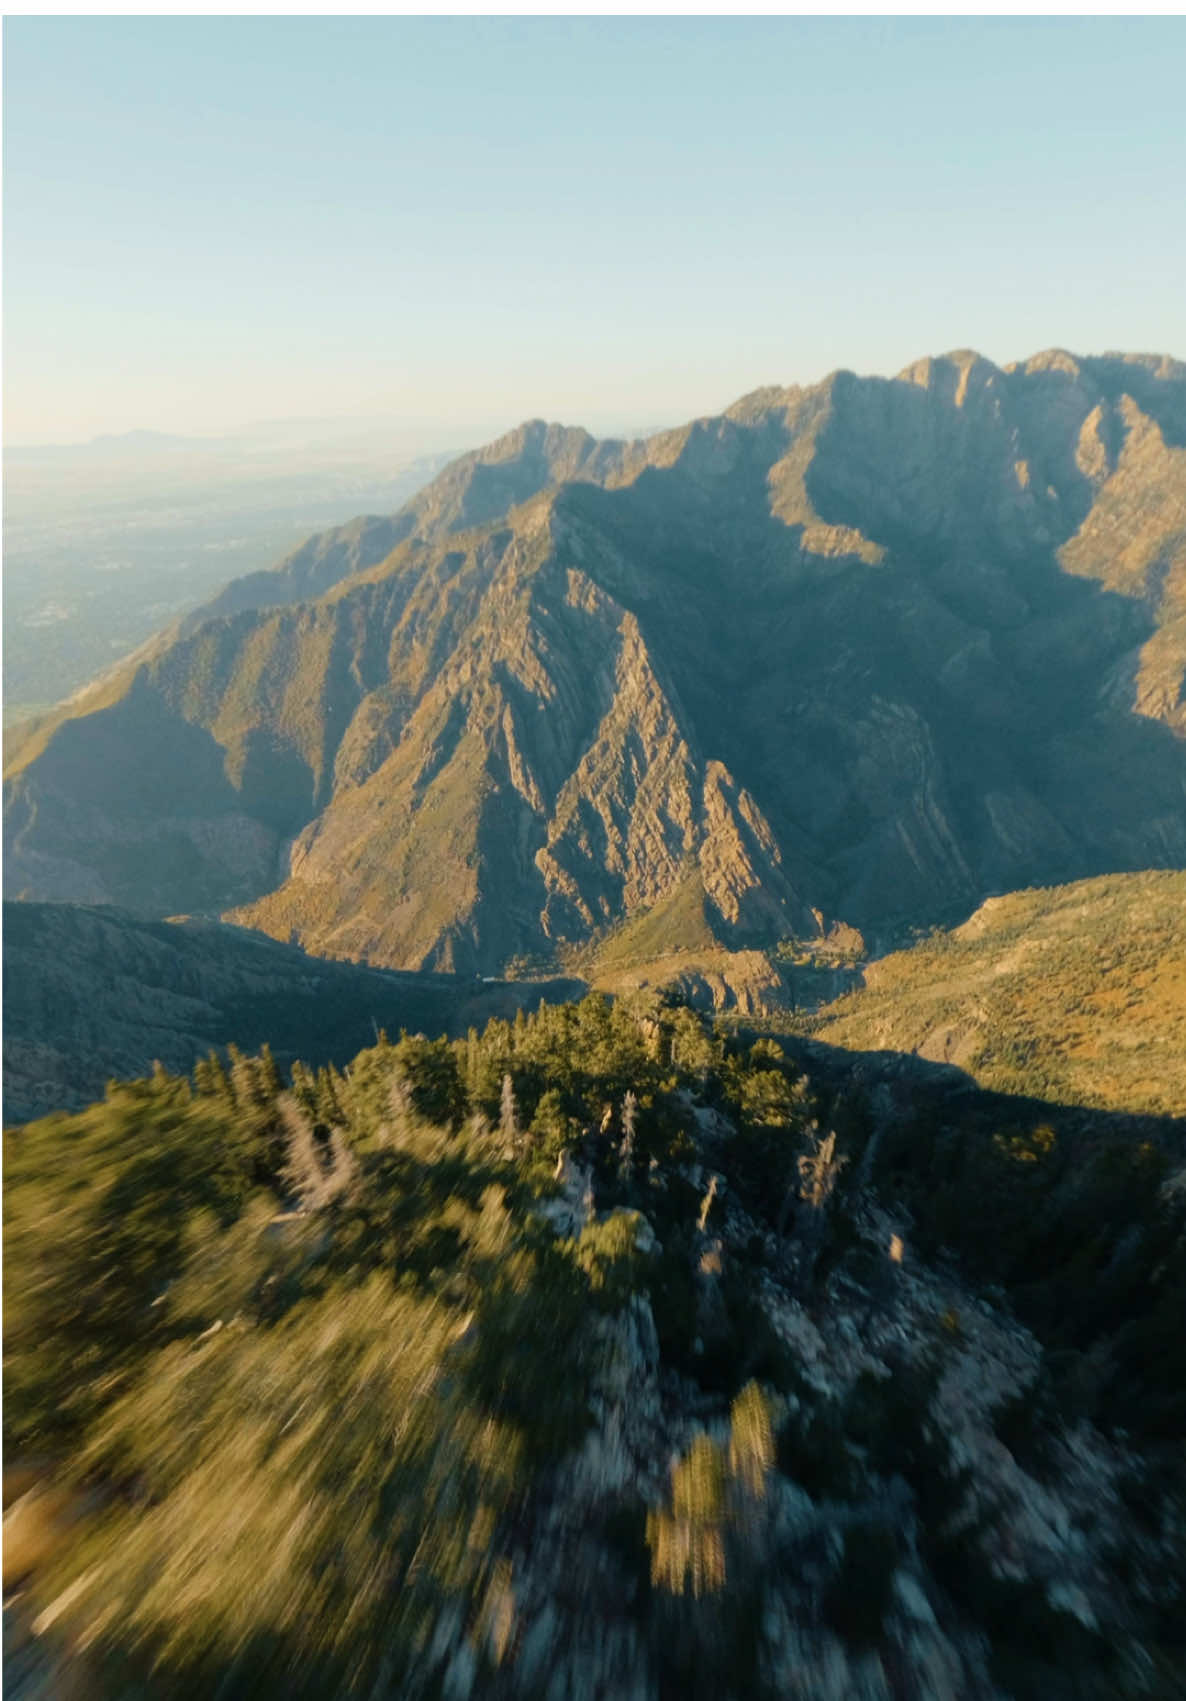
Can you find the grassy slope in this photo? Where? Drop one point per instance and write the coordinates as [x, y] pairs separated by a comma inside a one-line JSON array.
[[672, 944], [1074, 993]]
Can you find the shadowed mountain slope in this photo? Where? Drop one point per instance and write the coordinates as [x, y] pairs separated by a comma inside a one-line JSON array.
[[865, 651], [92, 995]]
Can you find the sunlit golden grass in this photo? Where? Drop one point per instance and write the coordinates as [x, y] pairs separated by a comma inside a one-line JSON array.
[[1076, 994], [277, 1430]]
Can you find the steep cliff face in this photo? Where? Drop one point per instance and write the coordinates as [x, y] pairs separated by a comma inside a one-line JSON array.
[[872, 649], [539, 780]]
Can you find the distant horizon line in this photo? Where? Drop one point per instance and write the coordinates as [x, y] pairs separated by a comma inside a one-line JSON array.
[[597, 421], [152, 436]]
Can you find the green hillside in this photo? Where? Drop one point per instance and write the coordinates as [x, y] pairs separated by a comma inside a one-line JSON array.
[[93, 994], [1074, 993]]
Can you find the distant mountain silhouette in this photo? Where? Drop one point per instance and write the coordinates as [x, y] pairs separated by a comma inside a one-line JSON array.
[[112, 446]]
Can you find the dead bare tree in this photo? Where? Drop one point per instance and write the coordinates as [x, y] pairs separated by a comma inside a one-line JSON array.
[[626, 1149], [313, 1173], [508, 1112], [818, 1171]]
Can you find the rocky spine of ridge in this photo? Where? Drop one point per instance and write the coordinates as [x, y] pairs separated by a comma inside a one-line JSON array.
[[870, 650]]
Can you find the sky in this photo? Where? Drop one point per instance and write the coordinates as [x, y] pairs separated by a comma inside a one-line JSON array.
[[471, 221]]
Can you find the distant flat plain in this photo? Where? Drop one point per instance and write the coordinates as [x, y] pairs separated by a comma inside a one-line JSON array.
[[108, 542]]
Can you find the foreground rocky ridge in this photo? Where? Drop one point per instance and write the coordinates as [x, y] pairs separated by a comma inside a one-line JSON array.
[[819, 1546], [864, 651], [576, 1360]]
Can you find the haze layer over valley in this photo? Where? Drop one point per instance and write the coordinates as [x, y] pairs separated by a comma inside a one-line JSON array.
[[104, 543]]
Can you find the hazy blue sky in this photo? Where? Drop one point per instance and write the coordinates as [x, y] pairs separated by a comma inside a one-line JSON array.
[[215, 220]]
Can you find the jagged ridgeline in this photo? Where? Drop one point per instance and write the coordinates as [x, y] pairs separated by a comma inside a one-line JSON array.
[[862, 652], [592, 1355]]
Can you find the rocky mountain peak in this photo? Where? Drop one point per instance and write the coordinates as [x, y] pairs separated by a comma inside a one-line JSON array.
[[953, 375]]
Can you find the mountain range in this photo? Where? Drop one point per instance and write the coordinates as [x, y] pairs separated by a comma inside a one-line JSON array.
[[862, 653]]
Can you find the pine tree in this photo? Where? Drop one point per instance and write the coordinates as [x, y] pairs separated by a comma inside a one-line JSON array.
[[220, 1081], [304, 1087], [241, 1077], [473, 1069], [255, 1111], [328, 1110], [550, 1125], [267, 1074]]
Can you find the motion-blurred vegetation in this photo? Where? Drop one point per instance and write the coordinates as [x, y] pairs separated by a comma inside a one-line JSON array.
[[293, 1364]]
